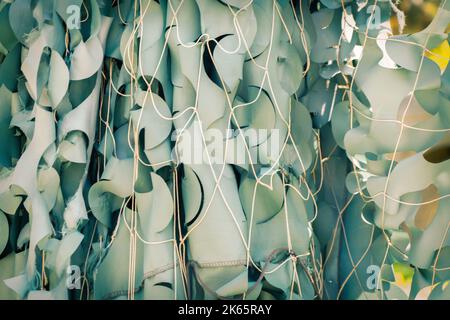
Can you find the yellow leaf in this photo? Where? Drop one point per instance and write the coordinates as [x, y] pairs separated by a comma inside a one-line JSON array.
[[440, 54]]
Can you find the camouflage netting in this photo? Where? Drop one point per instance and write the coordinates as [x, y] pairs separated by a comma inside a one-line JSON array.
[[105, 104]]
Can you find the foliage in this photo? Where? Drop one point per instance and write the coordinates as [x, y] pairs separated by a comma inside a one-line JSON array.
[[98, 114]]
